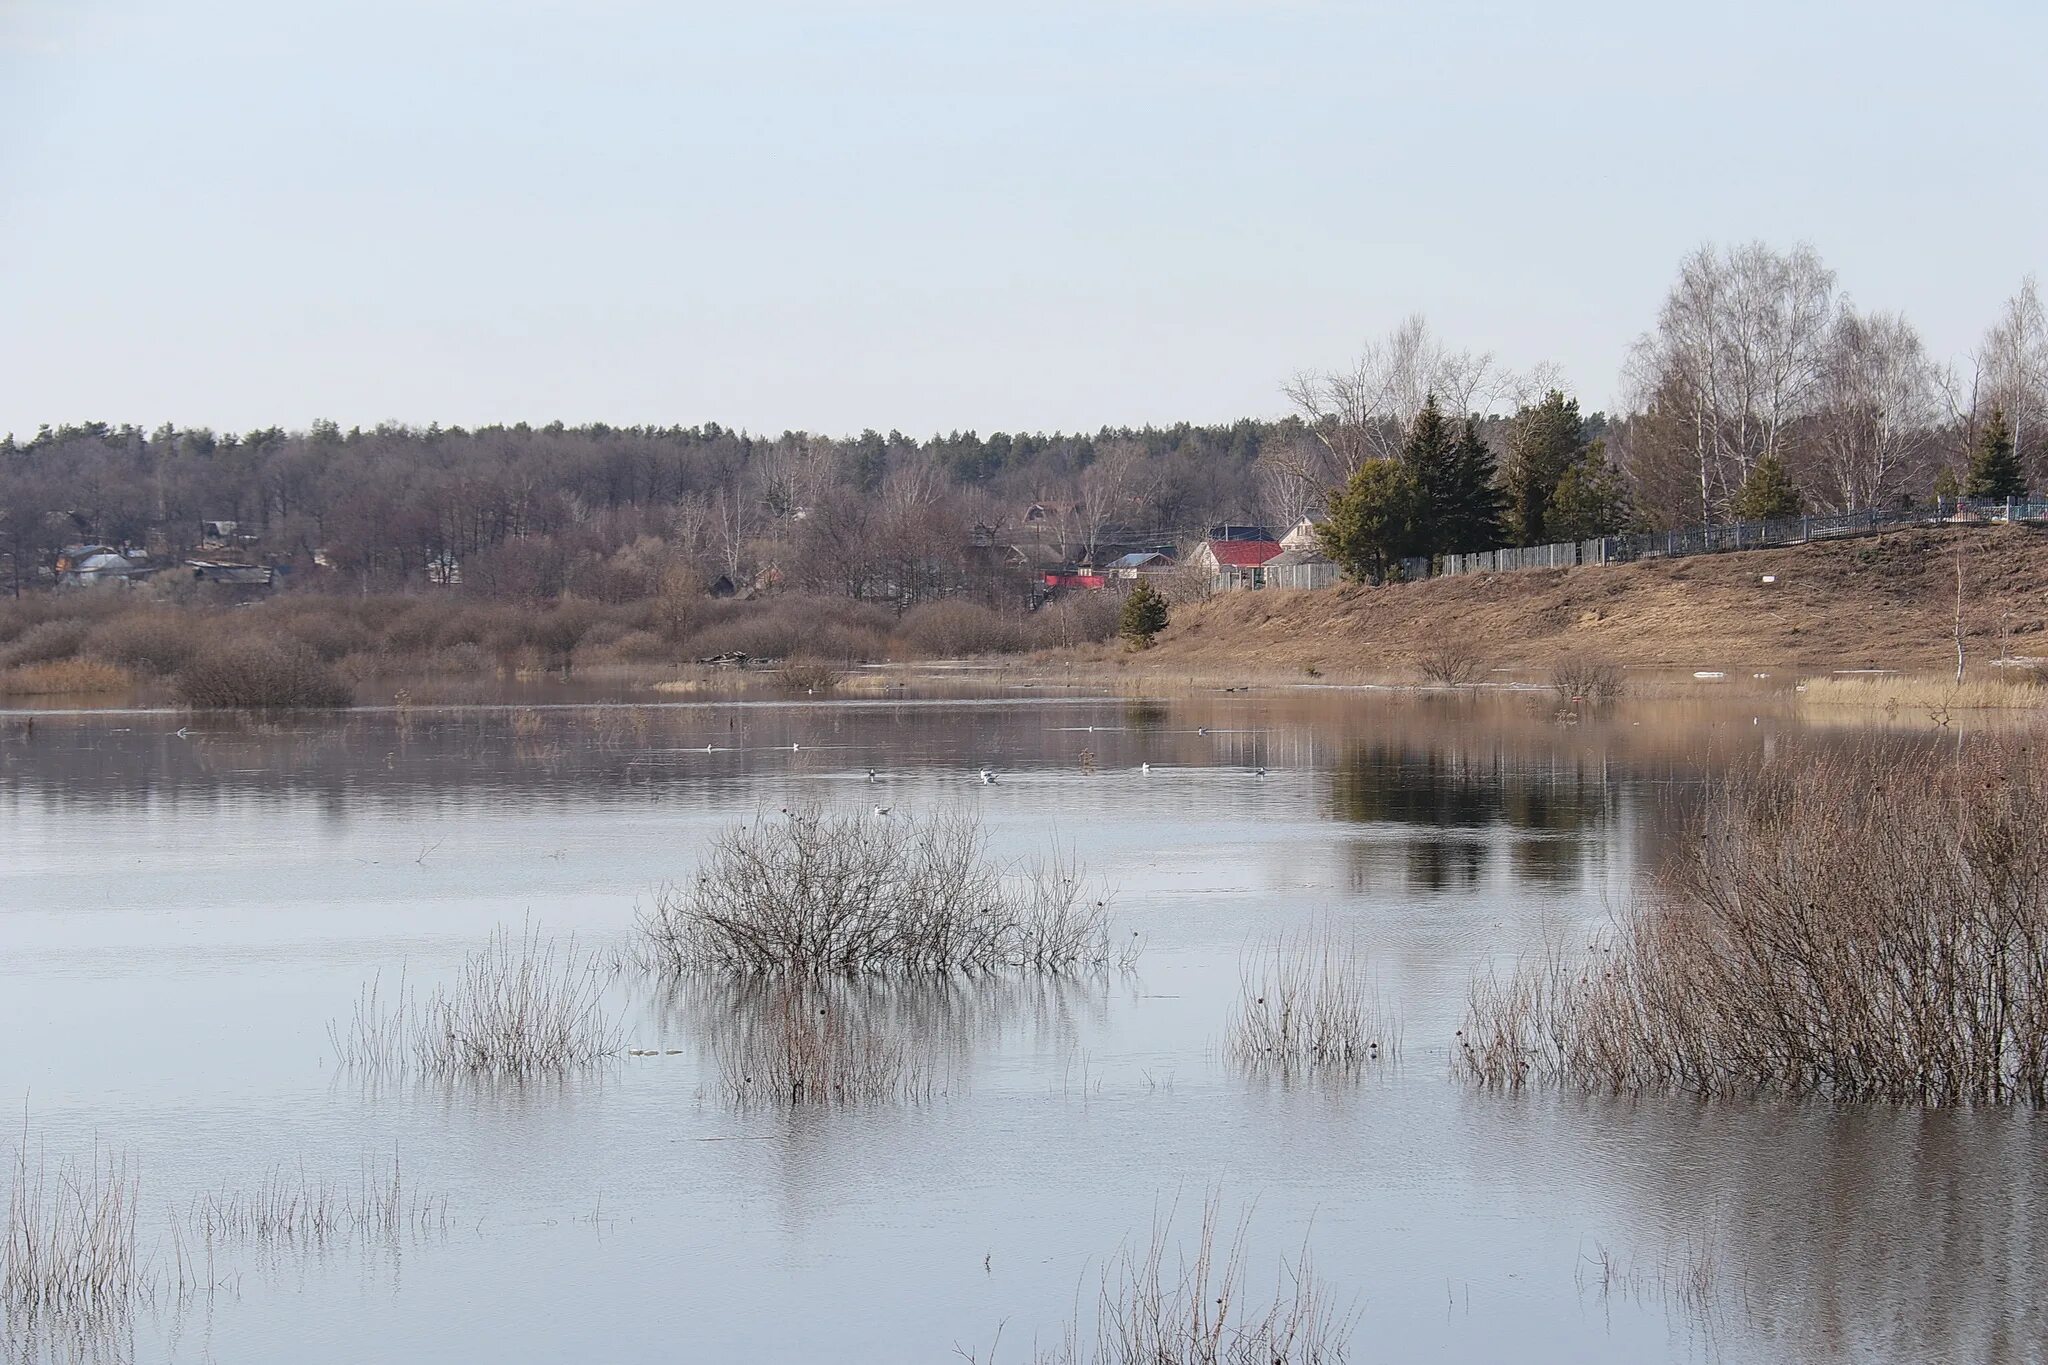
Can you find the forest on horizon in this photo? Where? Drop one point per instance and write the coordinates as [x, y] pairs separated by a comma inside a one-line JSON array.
[[1757, 359]]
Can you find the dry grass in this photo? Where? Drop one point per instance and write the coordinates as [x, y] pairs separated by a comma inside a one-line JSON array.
[[1305, 1005], [804, 679], [71, 1250], [1880, 601], [1850, 926], [1154, 1307], [519, 1007], [65, 677], [804, 892], [287, 1208], [1930, 692]]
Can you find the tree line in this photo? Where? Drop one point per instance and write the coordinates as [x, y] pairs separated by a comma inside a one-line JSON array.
[[1759, 390]]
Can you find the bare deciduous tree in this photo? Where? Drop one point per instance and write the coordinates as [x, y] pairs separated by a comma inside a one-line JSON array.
[[1738, 356], [2012, 377], [1879, 413], [1361, 413]]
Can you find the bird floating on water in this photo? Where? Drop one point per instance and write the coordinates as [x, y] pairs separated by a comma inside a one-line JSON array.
[[1201, 729], [988, 775], [872, 777], [1144, 767], [1261, 772], [882, 810]]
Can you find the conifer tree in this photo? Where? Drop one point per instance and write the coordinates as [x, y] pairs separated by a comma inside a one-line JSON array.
[[1429, 457], [1995, 463], [1144, 616], [1590, 499], [1545, 441], [1768, 494], [1370, 521], [1470, 517]]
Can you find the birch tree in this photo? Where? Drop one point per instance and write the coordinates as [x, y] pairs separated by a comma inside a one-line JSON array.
[[1879, 412]]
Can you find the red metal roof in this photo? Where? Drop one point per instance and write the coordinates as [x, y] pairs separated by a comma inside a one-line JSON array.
[[1243, 554]]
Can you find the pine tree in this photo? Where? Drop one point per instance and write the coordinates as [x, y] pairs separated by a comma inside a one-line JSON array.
[[1768, 494], [1370, 521], [1470, 517], [1144, 616], [1429, 456], [1946, 486], [1546, 440], [1995, 464], [1590, 499]]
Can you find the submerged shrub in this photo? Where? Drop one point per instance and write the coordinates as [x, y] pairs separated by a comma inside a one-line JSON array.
[[1587, 680], [518, 1008], [1305, 1005], [800, 1046], [1851, 926], [259, 673], [71, 1247], [153, 642], [807, 892]]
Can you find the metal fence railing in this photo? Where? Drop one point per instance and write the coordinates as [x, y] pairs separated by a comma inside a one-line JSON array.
[[1741, 535]]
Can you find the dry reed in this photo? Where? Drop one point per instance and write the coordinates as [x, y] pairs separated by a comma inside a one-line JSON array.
[[518, 1008], [1857, 926], [1201, 1311], [1305, 1005], [1933, 693], [64, 677], [806, 892], [71, 1250], [288, 1208]]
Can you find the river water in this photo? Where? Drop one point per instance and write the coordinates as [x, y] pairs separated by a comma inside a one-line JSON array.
[[183, 914]]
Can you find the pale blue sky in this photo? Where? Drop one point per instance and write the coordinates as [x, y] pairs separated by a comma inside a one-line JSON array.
[[788, 213]]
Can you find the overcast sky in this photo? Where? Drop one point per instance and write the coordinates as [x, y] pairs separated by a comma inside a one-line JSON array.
[[952, 215]]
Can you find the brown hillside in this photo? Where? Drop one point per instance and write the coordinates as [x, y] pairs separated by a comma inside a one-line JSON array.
[[1878, 602]]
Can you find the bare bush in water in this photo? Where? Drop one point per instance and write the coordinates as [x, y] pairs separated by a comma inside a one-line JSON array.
[[1587, 680], [519, 1007], [807, 892], [1305, 1004], [1202, 1311], [797, 1049], [1851, 926]]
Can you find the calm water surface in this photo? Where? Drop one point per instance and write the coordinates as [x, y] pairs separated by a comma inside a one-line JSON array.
[[181, 917]]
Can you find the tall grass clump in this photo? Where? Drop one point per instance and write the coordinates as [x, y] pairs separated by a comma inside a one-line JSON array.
[[64, 677], [71, 1246], [288, 1208], [259, 673], [1196, 1307], [1306, 1005], [807, 892], [519, 1007], [1853, 926], [2019, 690]]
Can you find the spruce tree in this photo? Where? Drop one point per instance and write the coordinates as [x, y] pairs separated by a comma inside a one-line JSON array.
[[1429, 456], [1144, 616], [1995, 463], [1946, 487], [1473, 501], [1370, 521], [1545, 441], [1768, 494]]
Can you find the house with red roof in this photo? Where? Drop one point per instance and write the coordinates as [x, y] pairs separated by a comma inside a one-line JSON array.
[[1237, 562]]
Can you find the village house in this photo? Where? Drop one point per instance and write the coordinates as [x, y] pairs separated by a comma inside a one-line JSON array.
[[1234, 562]]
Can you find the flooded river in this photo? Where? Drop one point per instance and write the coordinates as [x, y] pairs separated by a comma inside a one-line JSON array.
[[186, 903]]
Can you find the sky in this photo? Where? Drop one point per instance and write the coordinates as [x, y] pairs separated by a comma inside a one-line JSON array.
[[792, 214]]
